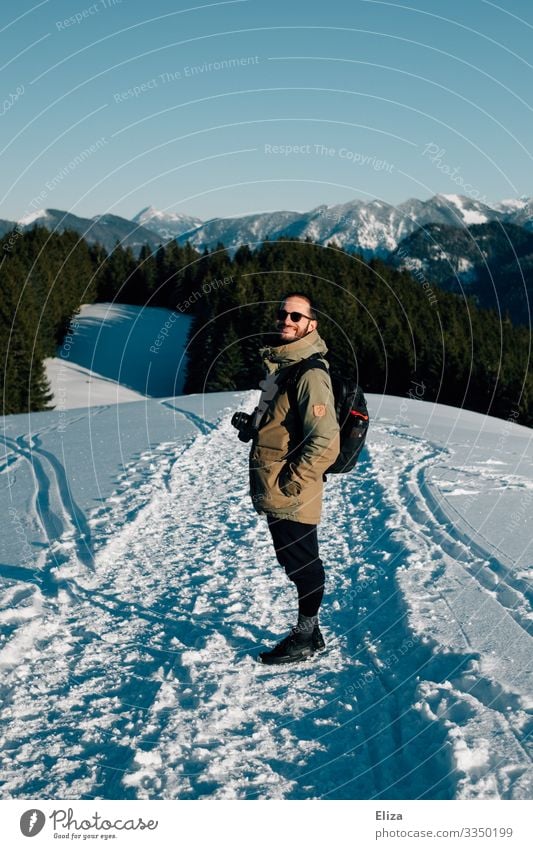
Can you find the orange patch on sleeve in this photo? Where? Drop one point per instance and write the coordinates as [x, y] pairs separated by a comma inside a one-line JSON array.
[[319, 409]]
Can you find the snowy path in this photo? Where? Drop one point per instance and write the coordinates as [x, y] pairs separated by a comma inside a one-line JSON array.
[[128, 664]]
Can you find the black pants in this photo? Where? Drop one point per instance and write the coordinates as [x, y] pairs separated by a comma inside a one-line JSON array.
[[296, 546]]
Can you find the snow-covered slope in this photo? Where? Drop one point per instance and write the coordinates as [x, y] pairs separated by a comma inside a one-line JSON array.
[[119, 352], [139, 585], [168, 225], [74, 386]]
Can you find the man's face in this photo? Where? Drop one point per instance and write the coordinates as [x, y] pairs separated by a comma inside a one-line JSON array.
[[290, 330]]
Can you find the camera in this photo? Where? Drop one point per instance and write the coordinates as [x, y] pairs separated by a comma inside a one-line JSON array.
[[243, 423]]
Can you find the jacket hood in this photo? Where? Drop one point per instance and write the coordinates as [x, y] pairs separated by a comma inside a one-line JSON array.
[[293, 352]]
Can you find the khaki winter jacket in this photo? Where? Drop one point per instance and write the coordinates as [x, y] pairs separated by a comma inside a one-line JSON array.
[[293, 447]]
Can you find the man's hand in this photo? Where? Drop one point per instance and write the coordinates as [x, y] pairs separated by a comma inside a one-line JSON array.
[[288, 485]]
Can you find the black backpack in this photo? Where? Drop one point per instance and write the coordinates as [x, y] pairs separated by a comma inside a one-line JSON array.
[[350, 407]]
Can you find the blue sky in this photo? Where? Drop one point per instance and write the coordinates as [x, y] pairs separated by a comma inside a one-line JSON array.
[[218, 109]]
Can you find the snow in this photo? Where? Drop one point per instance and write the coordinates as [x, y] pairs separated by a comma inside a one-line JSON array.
[[150, 212], [73, 386], [511, 204], [469, 214], [117, 352], [164, 223], [465, 266], [139, 586], [28, 219], [457, 200]]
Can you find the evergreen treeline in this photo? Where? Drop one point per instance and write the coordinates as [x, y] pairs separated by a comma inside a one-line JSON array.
[[402, 338], [44, 277]]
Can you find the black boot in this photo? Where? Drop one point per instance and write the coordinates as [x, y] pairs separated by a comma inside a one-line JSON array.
[[297, 646], [309, 624], [318, 639]]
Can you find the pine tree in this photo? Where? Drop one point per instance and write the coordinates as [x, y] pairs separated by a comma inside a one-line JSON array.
[[224, 372], [21, 358]]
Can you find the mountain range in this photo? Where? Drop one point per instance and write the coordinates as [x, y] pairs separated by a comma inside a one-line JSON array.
[[105, 230], [463, 241], [372, 228]]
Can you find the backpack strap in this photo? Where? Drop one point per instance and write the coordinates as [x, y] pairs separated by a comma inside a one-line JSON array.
[[296, 372]]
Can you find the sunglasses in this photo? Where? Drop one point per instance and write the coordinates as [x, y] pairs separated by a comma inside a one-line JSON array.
[[294, 316]]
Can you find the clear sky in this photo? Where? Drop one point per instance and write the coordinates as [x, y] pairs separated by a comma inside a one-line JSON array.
[[218, 109]]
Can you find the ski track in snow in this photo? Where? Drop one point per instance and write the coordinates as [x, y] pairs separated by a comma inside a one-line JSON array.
[[129, 664]]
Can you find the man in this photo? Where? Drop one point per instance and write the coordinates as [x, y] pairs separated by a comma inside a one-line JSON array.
[[295, 439]]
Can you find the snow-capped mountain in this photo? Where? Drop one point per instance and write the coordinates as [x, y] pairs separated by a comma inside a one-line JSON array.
[[244, 230], [373, 228], [519, 212], [105, 230], [168, 225], [34, 217]]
